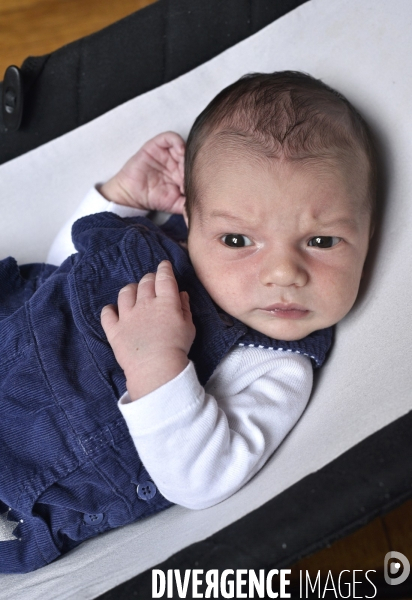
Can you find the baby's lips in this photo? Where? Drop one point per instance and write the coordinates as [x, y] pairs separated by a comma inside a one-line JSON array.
[[285, 306]]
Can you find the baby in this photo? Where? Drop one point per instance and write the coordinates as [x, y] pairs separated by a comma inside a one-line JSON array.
[[216, 352]]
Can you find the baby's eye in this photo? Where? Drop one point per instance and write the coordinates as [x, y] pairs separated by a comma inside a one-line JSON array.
[[236, 240], [324, 241]]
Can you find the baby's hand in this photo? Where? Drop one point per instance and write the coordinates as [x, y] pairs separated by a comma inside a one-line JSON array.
[[151, 331], [153, 178]]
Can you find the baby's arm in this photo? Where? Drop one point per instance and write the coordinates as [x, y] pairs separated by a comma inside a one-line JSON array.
[[151, 180], [151, 331], [200, 446]]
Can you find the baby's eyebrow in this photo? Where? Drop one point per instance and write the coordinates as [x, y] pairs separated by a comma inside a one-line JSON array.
[[226, 215], [347, 222], [342, 221]]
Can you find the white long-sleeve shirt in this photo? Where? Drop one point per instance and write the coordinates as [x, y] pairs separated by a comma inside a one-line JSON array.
[[201, 445]]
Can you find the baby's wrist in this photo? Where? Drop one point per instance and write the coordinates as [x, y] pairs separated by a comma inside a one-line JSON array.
[[147, 378], [115, 192]]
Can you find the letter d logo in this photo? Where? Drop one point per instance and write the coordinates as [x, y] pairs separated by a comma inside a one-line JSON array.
[[391, 571]]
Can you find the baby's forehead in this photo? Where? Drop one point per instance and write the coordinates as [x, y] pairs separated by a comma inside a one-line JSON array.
[[225, 156], [237, 177]]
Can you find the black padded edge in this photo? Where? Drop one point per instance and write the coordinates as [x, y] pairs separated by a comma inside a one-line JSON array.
[[368, 480], [89, 77]]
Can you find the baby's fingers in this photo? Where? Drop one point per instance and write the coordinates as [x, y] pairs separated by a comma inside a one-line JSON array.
[[184, 299], [146, 288], [127, 297], [165, 284], [109, 318], [178, 205], [169, 140]]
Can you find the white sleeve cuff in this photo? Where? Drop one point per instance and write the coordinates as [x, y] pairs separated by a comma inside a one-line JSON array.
[[93, 203], [98, 203]]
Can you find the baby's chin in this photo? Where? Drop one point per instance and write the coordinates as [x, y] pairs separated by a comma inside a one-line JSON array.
[[288, 331]]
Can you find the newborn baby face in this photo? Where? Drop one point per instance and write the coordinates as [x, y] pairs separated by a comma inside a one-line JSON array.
[[280, 245]]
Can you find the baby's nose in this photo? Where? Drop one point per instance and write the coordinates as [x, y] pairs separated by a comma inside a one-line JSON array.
[[283, 269]]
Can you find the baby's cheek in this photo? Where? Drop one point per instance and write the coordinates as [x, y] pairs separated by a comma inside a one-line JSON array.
[[332, 295], [343, 298]]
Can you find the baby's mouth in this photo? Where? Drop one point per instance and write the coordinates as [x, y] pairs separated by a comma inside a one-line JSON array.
[[287, 311]]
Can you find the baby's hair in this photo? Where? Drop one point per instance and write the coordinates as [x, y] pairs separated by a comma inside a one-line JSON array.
[[287, 115]]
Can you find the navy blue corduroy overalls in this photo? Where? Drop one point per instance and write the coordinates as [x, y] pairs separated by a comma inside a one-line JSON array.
[[68, 466]]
